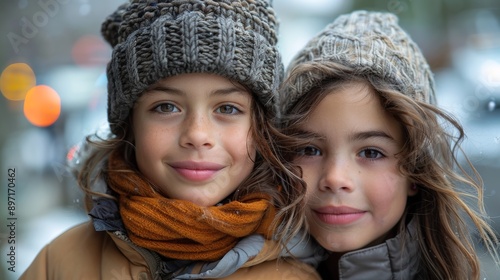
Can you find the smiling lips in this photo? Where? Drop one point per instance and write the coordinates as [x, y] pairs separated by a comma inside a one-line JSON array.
[[338, 215], [196, 171]]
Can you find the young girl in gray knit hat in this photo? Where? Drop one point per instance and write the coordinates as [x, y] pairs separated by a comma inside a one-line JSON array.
[[385, 191], [190, 184]]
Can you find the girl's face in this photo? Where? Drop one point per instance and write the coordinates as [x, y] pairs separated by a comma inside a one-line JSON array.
[[192, 138], [355, 193]]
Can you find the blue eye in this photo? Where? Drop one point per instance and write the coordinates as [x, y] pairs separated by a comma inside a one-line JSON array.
[[309, 151], [166, 108], [228, 109], [371, 154]]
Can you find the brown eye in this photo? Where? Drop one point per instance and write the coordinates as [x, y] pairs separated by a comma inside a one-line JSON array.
[[309, 151], [166, 108], [371, 154], [228, 109]]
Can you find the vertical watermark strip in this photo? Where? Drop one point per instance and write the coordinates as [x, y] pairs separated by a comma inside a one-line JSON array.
[[11, 219]]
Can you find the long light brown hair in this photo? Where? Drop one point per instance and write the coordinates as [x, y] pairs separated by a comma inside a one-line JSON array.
[[449, 196]]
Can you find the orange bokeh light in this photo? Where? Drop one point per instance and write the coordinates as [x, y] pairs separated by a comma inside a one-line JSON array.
[[42, 106], [16, 80]]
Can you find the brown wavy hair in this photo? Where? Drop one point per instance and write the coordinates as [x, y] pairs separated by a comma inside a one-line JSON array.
[[449, 195]]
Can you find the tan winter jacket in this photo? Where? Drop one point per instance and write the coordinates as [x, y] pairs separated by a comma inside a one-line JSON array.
[[83, 253]]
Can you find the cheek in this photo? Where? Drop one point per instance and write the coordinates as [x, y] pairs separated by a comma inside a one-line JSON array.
[[310, 173], [397, 185], [390, 180], [250, 149], [143, 152], [390, 196], [241, 144], [151, 141]]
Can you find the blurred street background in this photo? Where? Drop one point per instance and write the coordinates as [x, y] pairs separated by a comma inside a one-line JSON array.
[[53, 49]]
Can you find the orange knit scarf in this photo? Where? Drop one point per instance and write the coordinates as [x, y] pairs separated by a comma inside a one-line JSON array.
[[180, 229]]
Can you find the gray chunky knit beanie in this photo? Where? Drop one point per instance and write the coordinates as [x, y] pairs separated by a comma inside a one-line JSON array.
[[154, 39], [372, 43]]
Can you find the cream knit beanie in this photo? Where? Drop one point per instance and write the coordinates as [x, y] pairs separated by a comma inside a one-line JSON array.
[[372, 43]]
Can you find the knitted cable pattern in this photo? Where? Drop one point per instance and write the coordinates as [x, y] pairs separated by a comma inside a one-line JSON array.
[[152, 40], [372, 43]]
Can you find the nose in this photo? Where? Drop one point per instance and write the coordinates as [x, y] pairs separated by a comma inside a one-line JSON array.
[[197, 132], [336, 177]]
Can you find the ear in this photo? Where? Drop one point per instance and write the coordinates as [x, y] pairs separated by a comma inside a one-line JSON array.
[[412, 189]]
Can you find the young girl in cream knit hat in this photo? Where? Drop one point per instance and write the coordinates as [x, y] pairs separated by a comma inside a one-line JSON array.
[[386, 195]]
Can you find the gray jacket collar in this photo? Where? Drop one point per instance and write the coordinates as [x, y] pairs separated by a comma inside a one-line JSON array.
[[397, 258]]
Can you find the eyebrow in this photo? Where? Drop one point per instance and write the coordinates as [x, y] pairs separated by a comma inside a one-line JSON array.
[[357, 136], [363, 135], [310, 134], [221, 91]]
